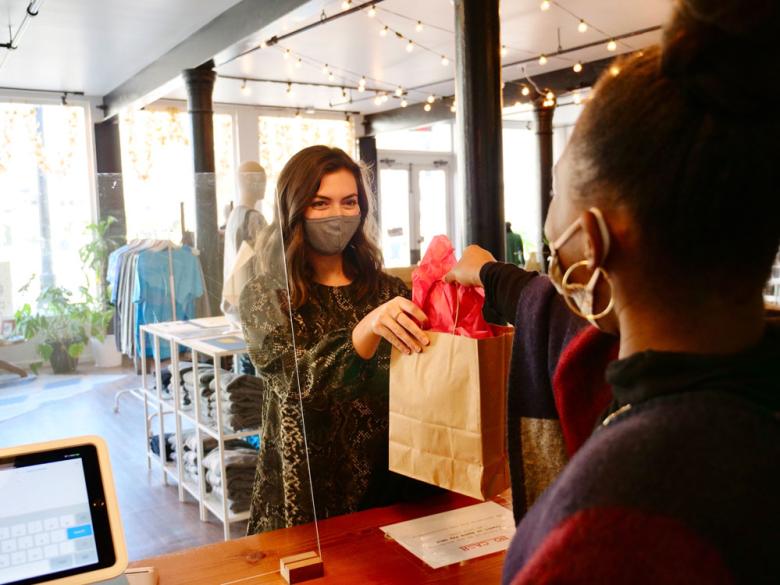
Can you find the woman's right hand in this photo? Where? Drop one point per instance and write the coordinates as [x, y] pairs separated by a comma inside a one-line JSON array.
[[467, 270], [397, 321]]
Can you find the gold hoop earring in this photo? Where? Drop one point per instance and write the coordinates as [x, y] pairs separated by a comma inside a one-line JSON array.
[[567, 287]]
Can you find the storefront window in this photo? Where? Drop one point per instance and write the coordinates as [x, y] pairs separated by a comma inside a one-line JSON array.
[[281, 138], [46, 200], [158, 173]]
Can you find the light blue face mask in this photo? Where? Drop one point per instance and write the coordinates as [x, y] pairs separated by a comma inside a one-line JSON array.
[[331, 235]]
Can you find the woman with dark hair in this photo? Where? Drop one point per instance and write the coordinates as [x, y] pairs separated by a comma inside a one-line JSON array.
[[326, 386], [679, 481]]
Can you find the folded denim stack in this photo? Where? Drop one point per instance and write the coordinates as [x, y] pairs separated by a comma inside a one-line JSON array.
[[170, 445], [241, 396], [190, 453], [167, 384], [203, 388], [240, 464]]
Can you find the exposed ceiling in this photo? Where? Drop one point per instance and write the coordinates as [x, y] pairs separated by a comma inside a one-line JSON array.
[[352, 46], [94, 46]]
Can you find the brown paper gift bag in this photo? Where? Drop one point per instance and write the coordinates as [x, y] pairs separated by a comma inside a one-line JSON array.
[[448, 413]]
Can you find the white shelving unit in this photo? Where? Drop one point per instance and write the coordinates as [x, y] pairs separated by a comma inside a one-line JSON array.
[[212, 337]]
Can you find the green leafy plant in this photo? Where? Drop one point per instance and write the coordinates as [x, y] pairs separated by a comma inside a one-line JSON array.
[[60, 323], [94, 257]]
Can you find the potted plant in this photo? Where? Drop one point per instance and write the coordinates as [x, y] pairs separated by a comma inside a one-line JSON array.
[[94, 256], [61, 326]]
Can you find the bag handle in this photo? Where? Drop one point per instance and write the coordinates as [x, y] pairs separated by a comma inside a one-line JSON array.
[[457, 309]]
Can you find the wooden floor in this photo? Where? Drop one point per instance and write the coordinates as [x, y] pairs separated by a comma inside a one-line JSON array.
[[155, 522]]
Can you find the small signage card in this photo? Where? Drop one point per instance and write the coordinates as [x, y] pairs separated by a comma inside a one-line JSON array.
[[455, 536]]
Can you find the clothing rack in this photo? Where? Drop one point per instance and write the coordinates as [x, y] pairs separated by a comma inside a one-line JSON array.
[[149, 288]]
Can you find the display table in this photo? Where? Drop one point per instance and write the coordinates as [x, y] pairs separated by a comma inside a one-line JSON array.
[[212, 337], [354, 550]]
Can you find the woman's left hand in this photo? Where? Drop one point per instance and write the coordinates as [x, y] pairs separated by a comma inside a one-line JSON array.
[[397, 321]]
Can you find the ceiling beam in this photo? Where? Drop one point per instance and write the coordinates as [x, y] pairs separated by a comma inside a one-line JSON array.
[[229, 34], [414, 116]]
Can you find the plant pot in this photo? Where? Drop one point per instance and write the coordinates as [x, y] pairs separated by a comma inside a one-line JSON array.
[[105, 353], [61, 361]]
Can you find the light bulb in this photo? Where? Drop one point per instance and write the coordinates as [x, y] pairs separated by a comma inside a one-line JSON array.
[[504, 51], [287, 53], [372, 11], [245, 90], [614, 70], [550, 95], [384, 97], [577, 67], [444, 61], [453, 108], [525, 91], [548, 103], [346, 4], [545, 5], [331, 77], [543, 60], [517, 104], [362, 84], [427, 107], [612, 46], [263, 44], [289, 90], [410, 46], [378, 100], [582, 27], [399, 91], [419, 27], [383, 31], [404, 103], [577, 98], [431, 99], [298, 63]]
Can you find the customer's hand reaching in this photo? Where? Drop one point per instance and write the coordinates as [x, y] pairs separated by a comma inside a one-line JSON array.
[[466, 271]]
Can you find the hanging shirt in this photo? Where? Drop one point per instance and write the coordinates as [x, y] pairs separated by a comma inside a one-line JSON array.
[[152, 292]]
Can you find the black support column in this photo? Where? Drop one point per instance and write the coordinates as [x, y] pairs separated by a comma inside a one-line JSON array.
[[544, 133], [108, 164], [479, 144], [200, 87]]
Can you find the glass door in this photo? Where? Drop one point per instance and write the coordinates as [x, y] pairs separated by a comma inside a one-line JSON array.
[[394, 219], [415, 205]]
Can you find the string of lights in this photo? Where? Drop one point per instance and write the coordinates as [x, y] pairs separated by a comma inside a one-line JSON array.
[[386, 30], [349, 81], [583, 25]]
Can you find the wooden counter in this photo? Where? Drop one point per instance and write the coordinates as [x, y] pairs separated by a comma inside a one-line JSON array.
[[354, 550]]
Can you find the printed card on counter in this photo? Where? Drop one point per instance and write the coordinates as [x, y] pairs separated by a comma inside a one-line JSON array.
[[458, 535]]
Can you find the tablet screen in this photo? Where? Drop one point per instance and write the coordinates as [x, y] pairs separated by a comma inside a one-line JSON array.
[[53, 520]]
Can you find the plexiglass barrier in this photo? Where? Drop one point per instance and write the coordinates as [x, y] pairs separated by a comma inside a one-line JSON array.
[[233, 382]]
